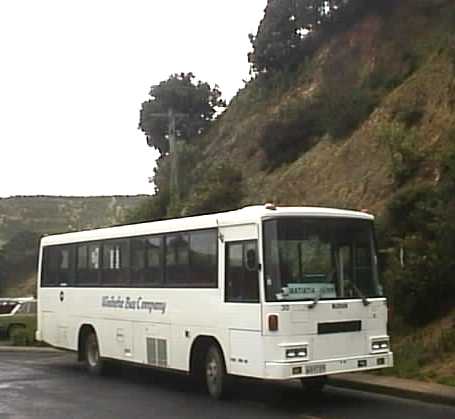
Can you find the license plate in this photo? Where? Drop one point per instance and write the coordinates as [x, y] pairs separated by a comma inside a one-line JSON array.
[[315, 369]]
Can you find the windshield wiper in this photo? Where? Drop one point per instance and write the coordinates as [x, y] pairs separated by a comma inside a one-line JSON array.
[[361, 294], [316, 299]]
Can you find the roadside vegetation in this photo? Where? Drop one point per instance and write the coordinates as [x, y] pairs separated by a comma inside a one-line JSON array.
[[18, 263]]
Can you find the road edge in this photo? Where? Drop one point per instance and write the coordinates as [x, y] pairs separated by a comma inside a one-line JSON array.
[[373, 386]]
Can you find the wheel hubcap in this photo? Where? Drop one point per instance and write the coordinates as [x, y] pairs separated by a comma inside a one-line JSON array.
[[212, 373]]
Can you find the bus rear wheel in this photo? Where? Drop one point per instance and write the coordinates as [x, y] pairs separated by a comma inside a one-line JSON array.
[[216, 377], [93, 361], [313, 385]]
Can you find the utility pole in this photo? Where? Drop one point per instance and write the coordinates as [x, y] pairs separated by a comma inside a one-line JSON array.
[[173, 150], [175, 190]]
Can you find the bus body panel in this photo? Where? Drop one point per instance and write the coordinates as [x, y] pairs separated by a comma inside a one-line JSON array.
[[159, 326]]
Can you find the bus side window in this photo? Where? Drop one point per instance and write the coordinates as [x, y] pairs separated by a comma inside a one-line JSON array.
[[88, 264], [242, 279], [66, 265], [177, 259], [154, 260], [58, 266], [147, 261], [49, 267], [204, 258], [115, 263]]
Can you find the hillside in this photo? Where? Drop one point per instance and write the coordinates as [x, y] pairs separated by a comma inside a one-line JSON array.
[[399, 65], [368, 113], [23, 220], [358, 113], [53, 214]]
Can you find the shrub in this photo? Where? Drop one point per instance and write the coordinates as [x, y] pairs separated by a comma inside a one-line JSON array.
[[446, 342], [290, 133], [402, 144], [412, 210], [422, 222], [344, 109], [383, 77], [448, 163], [152, 209], [409, 114], [217, 188], [419, 290]]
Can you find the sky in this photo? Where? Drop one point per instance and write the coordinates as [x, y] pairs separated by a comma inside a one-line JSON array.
[[74, 73]]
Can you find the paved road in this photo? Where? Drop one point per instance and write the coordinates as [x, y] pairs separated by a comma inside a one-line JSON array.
[[54, 385]]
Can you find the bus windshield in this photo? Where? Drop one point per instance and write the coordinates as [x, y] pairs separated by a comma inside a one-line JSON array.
[[319, 259]]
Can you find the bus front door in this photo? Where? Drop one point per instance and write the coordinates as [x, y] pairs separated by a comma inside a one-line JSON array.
[[242, 308]]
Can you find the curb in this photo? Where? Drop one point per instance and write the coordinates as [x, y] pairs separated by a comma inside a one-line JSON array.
[[391, 386]]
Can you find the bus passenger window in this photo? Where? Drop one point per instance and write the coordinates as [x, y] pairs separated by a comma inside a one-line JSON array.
[[50, 267], [66, 264], [147, 261], [94, 256], [177, 259], [204, 258], [115, 263], [82, 257], [154, 260], [88, 264], [242, 282], [57, 266]]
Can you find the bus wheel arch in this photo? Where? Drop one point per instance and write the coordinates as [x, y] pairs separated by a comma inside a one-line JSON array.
[[204, 351]]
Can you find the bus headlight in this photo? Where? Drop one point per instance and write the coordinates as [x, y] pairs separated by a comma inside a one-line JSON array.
[[380, 345], [295, 353]]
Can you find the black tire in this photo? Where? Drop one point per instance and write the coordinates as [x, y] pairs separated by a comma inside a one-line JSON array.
[[216, 378], [94, 364], [313, 385]]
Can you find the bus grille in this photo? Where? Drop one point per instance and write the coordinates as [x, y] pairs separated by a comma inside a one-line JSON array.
[[157, 352], [339, 327]]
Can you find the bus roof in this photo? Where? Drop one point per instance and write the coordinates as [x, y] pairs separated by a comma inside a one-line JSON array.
[[247, 215]]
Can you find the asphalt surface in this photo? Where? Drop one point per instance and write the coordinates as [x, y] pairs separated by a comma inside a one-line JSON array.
[[53, 385]]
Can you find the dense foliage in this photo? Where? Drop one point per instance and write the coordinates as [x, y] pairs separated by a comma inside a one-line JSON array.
[[421, 221], [19, 256], [293, 29], [218, 188], [194, 103]]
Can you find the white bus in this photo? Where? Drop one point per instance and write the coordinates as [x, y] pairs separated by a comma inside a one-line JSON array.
[[268, 292]]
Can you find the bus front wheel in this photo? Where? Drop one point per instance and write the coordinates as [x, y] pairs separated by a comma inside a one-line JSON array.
[[93, 361], [215, 373]]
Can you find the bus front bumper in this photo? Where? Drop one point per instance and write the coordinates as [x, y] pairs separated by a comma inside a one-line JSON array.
[[292, 370]]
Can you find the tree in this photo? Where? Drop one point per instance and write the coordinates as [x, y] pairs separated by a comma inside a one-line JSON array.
[[197, 102], [291, 28], [19, 256]]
